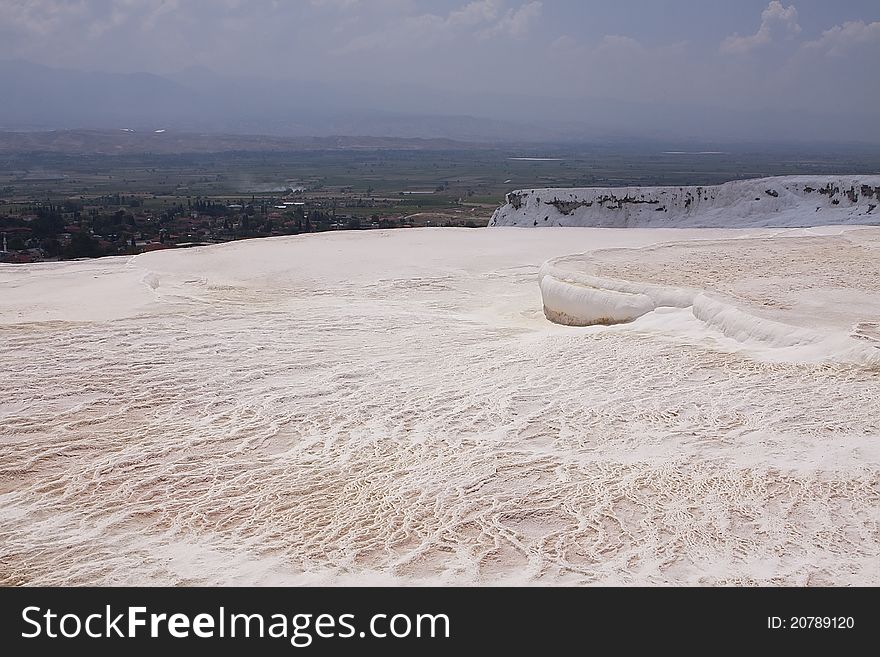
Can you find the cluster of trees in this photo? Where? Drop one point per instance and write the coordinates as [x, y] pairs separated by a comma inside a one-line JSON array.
[[212, 209], [51, 220], [48, 224], [118, 200]]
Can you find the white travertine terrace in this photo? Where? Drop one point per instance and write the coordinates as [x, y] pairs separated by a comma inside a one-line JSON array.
[[789, 201], [585, 290], [393, 407]]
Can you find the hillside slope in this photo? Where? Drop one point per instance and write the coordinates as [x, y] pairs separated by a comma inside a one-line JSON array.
[[781, 201]]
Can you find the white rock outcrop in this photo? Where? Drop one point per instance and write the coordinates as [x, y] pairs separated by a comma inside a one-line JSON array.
[[790, 201]]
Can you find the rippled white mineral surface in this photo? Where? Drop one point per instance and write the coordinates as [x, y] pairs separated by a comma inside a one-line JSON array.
[[394, 407]]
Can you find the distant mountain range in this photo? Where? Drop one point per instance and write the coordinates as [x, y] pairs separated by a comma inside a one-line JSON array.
[[38, 98], [129, 141], [198, 100]]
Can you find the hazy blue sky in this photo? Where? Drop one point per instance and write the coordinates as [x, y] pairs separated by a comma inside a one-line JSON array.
[[813, 55]]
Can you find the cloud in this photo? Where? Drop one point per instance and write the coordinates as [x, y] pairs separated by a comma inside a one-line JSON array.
[[474, 13], [163, 8], [776, 20], [516, 22], [484, 19], [836, 41], [38, 17], [464, 46], [336, 4], [93, 18], [622, 67], [420, 30]]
